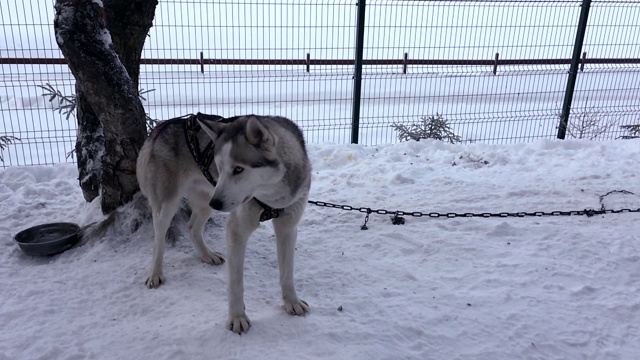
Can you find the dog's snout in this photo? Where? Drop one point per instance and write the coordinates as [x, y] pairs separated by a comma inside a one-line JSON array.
[[215, 204]]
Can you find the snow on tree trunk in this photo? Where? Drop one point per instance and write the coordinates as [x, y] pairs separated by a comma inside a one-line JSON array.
[[82, 35], [89, 147]]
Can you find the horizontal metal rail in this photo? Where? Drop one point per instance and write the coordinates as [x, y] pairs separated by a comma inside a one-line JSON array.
[[304, 62]]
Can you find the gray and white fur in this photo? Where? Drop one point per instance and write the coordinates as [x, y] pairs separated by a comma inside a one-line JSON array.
[[256, 157]]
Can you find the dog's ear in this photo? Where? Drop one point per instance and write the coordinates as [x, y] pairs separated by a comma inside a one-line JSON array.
[[258, 135], [212, 128]]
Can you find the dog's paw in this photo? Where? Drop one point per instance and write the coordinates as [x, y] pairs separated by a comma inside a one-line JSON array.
[[154, 281], [239, 324], [213, 258], [299, 307]]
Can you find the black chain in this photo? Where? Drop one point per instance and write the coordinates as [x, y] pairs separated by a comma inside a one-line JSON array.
[[398, 215], [625, 192]]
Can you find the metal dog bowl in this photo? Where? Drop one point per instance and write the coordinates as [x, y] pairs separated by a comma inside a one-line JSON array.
[[48, 239]]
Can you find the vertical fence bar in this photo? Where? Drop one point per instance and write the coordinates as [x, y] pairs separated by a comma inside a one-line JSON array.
[[495, 64], [202, 62], [584, 59], [573, 69], [405, 63], [357, 78], [308, 62]]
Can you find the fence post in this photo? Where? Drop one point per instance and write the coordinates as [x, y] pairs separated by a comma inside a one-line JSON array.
[[573, 69], [357, 77], [308, 62], [584, 59], [201, 62], [405, 63], [495, 64]]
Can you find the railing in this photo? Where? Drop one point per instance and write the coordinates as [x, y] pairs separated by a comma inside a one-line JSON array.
[[309, 62]]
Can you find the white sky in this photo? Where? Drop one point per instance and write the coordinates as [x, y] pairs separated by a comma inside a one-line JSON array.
[[289, 29]]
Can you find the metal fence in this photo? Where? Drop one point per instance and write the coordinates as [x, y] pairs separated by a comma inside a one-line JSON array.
[[497, 70]]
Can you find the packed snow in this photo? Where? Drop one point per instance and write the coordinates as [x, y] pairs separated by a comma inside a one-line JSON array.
[[565, 287], [552, 287]]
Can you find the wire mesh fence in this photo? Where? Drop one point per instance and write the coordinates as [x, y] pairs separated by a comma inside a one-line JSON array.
[[496, 70], [249, 50], [26, 31]]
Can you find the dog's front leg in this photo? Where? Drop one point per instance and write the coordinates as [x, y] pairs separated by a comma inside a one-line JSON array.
[[243, 221], [286, 236]]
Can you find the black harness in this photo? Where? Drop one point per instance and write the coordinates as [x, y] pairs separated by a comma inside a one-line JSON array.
[[204, 158]]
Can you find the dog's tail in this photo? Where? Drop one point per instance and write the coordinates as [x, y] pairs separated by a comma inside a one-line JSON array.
[[97, 229], [127, 219]]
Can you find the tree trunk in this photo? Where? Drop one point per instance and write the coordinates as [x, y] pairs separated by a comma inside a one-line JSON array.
[[106, 69], [89, 147], [129, 23]]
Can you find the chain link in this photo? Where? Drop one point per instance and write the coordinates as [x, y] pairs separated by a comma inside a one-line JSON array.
[[585, 212], [398, 215]]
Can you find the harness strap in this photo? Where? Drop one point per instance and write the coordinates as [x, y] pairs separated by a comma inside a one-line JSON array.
[[162, 124], [204, 158]]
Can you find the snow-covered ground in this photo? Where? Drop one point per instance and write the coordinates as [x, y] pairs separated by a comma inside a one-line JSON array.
[[509, 108], [464, 288]]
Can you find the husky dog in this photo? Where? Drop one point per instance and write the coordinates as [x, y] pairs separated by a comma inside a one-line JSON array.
[[260, 164]]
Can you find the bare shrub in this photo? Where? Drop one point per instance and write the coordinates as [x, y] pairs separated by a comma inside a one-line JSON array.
[[633, 131], [590, 124], [430, 127]]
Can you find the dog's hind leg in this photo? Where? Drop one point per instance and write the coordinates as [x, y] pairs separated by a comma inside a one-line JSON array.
[[286, 229], [200, 213], [162, 215]]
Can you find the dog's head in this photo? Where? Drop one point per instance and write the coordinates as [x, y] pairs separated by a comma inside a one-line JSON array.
[[245, 156]]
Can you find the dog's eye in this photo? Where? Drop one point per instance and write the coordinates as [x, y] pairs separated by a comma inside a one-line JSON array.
[[237, 170]]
